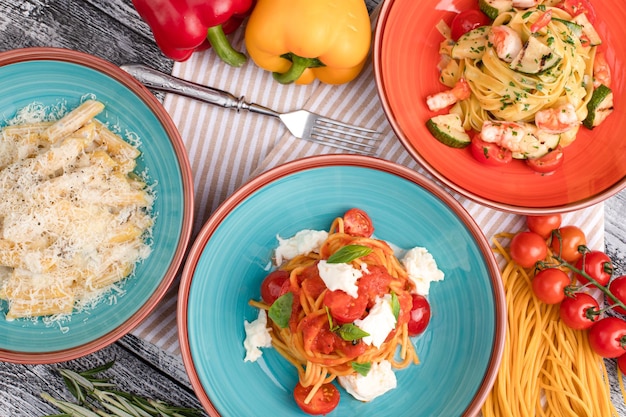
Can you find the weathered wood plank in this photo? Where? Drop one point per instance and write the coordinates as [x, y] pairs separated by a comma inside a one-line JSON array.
[[112, 30], [21, 385]]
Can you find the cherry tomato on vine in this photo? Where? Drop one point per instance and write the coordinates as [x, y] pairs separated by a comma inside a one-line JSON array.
[[466, 21], [607, 337], [543, 225], [489, 153], [356, 222], [528, 248], [547, 163], [618, 289], [565, 242], [596, 264], [549, 285], [580, 311], [275, 284], [323, 402], [420, 315]]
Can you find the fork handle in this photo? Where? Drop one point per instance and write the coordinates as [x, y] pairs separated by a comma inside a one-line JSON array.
[[160, 81]]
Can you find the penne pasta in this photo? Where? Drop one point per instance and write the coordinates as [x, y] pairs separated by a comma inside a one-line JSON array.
[[74, 216]]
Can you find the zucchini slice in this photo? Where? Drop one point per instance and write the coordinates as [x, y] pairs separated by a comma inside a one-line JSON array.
[[535, 57], [448, 129], [599, 107], [492, 8], [472, 44]]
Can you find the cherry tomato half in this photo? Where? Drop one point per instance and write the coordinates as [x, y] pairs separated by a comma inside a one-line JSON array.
[[466, 21], [549, 285], [607, 337], [343, 307], [489, 153], [548, 163], [565, 242], [576, 7], [356, 222], [597, 265], [618, 289], [420, 315], [528, 248], [275, 284], [323, 402], [580, 311], [544, 225]]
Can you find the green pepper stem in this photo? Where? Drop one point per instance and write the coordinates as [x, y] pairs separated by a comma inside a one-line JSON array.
[[298, 65], [222, 47]]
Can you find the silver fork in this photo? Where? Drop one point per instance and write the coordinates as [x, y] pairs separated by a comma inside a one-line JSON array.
[[301, 123]]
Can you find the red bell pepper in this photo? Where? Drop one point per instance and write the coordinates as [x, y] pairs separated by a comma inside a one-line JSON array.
[[181, 27]]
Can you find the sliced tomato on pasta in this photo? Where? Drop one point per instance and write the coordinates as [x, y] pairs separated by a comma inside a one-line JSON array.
[[323, 402], [356, 222]]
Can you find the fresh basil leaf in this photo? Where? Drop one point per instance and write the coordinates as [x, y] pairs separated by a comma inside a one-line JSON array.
[[395, 305], [362, 368], [348, 253], [280, 310], [350, 332]]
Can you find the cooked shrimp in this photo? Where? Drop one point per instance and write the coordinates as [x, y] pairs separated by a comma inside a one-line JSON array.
[[439, 101], [557, 119], [506, 42], [506, 134], [525, 4], [601, 71]]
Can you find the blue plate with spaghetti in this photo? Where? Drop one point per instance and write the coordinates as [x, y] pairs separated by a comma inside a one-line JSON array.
[[57, 79], [459, 352]]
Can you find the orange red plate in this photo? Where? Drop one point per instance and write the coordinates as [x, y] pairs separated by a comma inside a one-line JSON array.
[[405, 55]]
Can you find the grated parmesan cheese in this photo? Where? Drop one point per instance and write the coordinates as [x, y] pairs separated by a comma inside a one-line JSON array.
[[74, 218]]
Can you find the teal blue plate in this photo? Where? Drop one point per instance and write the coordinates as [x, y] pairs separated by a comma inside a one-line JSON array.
[[52, 77], [459, 352]]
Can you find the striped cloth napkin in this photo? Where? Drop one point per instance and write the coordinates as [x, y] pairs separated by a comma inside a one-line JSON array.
[[227, 148]]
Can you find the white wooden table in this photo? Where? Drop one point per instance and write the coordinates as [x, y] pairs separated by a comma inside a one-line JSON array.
[[112, 30]]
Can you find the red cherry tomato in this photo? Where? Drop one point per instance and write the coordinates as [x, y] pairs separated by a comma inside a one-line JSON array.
[[489, 153], [621, 364], [549, 285], [420, 315], [579, 311], [466, 21], [607, 337], [565, 243], [596, 264], [618, 289], [275, 284], [323, 402], [343, 307], [544, 225], [356, 222], [528, 248], [576, 7], [548, 163]]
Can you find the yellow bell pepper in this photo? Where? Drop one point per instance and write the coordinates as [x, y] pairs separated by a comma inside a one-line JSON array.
[[301, 40]]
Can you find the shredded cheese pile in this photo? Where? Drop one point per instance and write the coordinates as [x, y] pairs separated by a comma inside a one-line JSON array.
[[74, 218]]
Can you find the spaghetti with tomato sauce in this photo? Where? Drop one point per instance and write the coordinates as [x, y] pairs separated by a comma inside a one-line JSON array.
[[345, 310]]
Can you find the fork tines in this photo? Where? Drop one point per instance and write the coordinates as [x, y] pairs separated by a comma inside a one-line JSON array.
[[345, 136]]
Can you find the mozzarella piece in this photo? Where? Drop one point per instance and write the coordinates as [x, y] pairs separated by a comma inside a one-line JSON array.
[[379, 322], [422, 269], [303, 242], [340, 276], [257, 336], [378, 381]]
